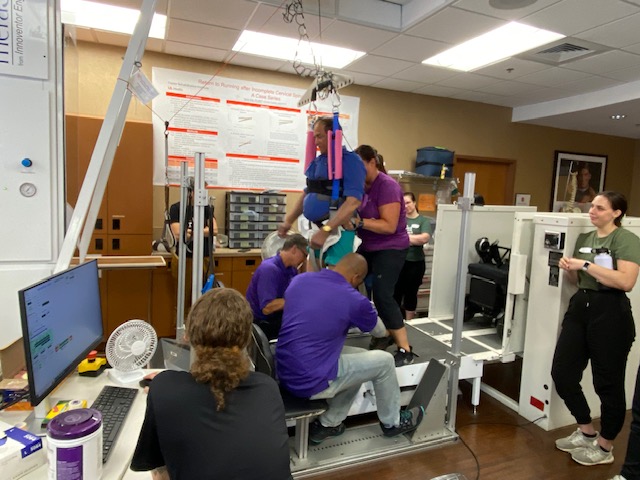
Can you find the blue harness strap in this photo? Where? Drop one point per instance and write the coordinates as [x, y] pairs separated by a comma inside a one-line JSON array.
[[335, 189]]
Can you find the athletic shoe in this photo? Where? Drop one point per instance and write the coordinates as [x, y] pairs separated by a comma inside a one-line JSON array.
[[618, 477], [576, 440], [380, 343], [409, 421], [402, 357], [592, 455], [318, 433]]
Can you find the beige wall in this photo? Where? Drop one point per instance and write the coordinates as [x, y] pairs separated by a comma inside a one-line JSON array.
[[396, 123]]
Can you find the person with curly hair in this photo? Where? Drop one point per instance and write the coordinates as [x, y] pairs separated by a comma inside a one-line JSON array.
[[220, 420]]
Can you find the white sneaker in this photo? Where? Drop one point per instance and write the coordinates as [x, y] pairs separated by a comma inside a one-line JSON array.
[[592, 455], [575, 440], [618, 477]]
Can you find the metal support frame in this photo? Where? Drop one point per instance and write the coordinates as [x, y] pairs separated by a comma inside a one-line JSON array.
[[95, 181], [464, 204]]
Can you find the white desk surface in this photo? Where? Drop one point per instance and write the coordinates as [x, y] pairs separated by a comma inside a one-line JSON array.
[[87, 388]]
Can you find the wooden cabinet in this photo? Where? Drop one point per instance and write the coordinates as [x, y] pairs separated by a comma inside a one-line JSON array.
[[243, 268], [124, 222]]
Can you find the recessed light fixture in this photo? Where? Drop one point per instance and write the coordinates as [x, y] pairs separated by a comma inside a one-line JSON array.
[[493, 46], [284, 48], [108, 17], [618, 116]]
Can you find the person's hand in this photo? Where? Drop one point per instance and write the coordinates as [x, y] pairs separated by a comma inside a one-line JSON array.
[[569, 264], [147, 380], [318, 239], [283, 229]]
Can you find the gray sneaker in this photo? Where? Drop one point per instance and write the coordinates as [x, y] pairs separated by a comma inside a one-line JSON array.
[[592, 455], [575, 440]]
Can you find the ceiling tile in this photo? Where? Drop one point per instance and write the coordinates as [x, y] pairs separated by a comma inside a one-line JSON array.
[[363, 78], [357, 37], [590, 84], [201, 34], [625, 75], [425, 74], [604, 62], [161, 5], [410, 48], [511, 68], [195, 51], [218, 12], [454, 26], [626, 32], [379, 65], [482, 6], [508, 88], [550, 77], [468, 81], [396, 84], [477, 97], [255, 61], [437, 91], [635, 48], [573, 16], [268, 19]]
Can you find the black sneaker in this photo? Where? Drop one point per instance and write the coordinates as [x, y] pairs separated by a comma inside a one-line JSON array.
[[402, 357], [409, 421], [318, 433], [381, 343]]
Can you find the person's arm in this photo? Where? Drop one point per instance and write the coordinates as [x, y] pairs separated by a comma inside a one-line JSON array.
[[160, 474], [388, 221], [274, 305], [624, 278], [291, 217], [419, 239], [175, 229], [343, 214], [570, 273]]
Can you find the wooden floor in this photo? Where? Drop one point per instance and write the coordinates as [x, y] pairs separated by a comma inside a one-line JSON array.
[[506, 447]]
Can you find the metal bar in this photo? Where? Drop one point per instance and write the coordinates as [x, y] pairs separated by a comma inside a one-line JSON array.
[[182, 251], [199, 203], [464, 204], [92, 190]]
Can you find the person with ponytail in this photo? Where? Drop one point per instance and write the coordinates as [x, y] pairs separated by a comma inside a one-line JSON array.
[[220, 420]]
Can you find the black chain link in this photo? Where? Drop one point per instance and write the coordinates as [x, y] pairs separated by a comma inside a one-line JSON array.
[[294, 12]]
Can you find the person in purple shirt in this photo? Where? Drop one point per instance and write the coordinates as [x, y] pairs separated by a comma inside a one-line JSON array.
[[268, 283], [382, 227], [313, 362]]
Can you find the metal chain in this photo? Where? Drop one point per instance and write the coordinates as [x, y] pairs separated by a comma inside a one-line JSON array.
[[294, 12]]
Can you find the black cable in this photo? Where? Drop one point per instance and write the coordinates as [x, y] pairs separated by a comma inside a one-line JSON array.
[[474, 457]]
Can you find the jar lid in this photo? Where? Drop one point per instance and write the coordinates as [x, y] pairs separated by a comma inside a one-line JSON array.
[[74, 424]]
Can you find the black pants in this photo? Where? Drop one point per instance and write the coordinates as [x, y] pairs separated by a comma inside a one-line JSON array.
[[384, 268], [631, 467], [408, 284], [597, 326]]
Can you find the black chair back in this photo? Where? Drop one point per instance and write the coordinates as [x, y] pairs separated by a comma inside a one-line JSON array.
[[261, 354]]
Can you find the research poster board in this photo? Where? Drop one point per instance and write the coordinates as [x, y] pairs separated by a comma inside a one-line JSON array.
[[253, 134]]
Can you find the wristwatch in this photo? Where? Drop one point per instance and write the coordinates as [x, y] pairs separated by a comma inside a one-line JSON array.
[[585, 267], [360, 224], [326, 228]]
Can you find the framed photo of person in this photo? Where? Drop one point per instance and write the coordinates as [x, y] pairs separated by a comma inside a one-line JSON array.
[[577, 178]]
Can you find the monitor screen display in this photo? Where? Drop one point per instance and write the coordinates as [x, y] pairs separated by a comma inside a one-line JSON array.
[[61, 323]]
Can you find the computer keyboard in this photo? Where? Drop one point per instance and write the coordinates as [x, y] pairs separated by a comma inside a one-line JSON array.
[[114, 403]]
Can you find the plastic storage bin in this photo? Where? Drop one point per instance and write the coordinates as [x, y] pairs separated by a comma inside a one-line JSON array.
[[429, 161]]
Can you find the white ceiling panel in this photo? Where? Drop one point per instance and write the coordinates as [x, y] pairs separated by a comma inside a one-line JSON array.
[[454, 26], [208, 29]]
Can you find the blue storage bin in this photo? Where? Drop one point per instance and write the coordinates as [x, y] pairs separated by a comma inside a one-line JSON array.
[[429, 161]]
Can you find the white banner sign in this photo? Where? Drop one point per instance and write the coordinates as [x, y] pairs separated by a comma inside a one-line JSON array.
[[253, 134], [23, 38]]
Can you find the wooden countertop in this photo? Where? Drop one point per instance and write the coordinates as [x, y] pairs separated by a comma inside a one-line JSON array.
[[125, 262]]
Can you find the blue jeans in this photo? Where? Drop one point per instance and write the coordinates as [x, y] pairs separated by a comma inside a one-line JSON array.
[[355, 367]]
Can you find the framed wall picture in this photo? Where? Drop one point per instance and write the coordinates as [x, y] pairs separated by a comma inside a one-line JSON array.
[[577, 178]]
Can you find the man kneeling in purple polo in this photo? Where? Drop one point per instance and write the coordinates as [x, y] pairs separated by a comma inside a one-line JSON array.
[[270, 280], [312, 361]]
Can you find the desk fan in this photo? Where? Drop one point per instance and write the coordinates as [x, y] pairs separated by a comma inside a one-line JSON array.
[[129, 348], [272, 244]]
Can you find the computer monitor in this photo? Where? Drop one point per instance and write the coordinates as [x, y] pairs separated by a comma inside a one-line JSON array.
[[61, 323]]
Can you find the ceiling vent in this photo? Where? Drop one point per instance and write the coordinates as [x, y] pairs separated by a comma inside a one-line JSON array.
[[563, 51]]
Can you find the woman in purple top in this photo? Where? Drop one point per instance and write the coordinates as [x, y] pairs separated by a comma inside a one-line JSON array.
[[382, 227]]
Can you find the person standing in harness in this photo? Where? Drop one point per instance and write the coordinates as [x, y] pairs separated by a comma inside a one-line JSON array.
[[317, 203]]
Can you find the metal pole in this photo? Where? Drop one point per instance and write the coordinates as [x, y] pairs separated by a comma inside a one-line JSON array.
[[182, 256], [464, 204], [200, 200]]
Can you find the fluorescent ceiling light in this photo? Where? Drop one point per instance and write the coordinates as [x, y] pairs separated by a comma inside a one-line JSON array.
[[284, 48], [493, 46], [107, 17]]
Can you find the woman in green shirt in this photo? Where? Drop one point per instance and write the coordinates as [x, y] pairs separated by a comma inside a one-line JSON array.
[[598, 326], [419, 230]]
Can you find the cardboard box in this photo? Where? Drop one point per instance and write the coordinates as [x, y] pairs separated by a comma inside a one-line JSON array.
[[21, 452]]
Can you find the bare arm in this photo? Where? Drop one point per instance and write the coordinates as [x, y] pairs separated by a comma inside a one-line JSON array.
[[343, 214], [274, 305], [291, 217], [624, 278], [160, 474], [388, 221], [419, 238]]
